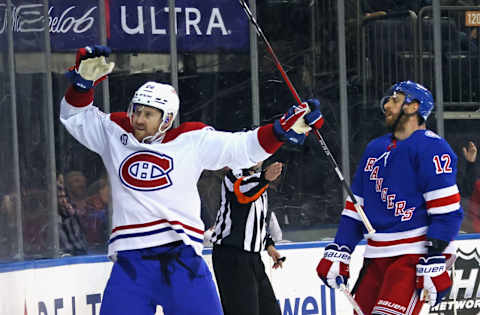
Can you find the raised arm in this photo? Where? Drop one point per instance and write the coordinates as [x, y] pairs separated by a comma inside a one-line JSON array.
[[244, 149], [84, 121]]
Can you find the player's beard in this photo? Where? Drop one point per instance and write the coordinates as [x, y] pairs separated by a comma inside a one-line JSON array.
[[139, 134], [393, 122]]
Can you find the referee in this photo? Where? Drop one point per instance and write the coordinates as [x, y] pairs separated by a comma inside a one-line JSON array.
[[240, 234]]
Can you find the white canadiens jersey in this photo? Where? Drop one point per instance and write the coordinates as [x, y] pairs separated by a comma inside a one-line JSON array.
[[154, 186]]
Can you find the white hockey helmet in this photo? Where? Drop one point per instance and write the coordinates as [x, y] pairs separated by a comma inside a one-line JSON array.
[[157, 95]]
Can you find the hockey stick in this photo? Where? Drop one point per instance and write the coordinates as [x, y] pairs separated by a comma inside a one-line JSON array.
[[351, 299], [323, 144]]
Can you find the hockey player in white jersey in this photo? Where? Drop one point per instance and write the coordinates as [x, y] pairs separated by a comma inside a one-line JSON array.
[[406, 183], [157, 234]]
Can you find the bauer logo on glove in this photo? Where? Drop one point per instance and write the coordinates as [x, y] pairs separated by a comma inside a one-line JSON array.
[[433, 281], [333, 268]]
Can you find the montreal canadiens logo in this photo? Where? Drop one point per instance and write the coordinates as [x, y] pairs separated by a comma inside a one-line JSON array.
[[146, 171]]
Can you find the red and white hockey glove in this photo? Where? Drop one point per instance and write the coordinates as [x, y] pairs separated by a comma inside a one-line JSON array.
[[291, 126], [433, 281], [315, 118], [90, 67], [333, 268]]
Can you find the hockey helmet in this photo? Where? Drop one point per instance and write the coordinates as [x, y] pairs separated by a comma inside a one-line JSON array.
[[414, 92], [157, 95]]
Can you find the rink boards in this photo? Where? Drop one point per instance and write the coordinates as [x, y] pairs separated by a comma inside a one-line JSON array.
[[74, 285]]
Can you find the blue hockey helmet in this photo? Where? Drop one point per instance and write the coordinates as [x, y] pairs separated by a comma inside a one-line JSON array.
[[416, 92]]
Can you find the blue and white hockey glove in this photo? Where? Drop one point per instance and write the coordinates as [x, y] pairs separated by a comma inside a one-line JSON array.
[[333, 268], [90, 67], [433, 281], [315, 118], [291, 126]]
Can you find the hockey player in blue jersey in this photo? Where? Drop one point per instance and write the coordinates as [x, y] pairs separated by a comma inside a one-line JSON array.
[[406, 184]]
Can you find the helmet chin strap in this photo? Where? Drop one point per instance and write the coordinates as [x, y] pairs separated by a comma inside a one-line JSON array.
[[160, 134], [395, 124]]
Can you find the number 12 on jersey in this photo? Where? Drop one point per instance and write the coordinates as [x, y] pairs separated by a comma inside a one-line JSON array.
[[442, 164]]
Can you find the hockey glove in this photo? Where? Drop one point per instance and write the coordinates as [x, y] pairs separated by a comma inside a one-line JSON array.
[[90, 67], [315, 118], [433, 281], [291, 126], [333, 268]]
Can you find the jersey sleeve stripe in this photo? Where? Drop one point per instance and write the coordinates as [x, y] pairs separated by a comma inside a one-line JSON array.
[[440, 193], [244, 199], [351, 214], [78, 99], [444, 209], [445, 201], [349, 209], [358, 198], [267, 139], [350, 206]]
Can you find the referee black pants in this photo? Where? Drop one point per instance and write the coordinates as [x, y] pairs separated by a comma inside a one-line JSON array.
[[243, 284]]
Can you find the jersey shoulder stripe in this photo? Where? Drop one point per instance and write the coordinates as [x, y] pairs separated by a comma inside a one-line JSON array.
[[172, 134], [121, 119]]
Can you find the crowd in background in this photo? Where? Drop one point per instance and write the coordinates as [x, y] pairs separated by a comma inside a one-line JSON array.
[[307, 194]]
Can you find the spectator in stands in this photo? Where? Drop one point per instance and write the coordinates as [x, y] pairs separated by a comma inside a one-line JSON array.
[[473, 213], [96, 218], [469, 175], [71, 232], [394, 7], [470, 189], [76, 189], [36, 223]]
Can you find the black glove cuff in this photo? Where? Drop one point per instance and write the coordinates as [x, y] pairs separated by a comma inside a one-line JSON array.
[[263, 180], [269, 241], [435, 246]]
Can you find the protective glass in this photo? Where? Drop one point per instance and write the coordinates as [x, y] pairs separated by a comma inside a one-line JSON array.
[[384, 100]]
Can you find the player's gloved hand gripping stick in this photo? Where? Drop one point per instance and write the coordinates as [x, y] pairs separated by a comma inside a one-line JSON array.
[[334, 268], [313, 122], [296, 123], [433, 281], [90, 67]]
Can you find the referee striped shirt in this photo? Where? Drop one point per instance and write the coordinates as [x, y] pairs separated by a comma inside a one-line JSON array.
[[242, 218]]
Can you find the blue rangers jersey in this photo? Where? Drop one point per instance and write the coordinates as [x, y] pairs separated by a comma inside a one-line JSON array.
[[408, 191]]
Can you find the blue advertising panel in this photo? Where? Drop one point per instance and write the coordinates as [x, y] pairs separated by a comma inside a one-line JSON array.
[[71, 24], [202, 26], [132, 26]]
